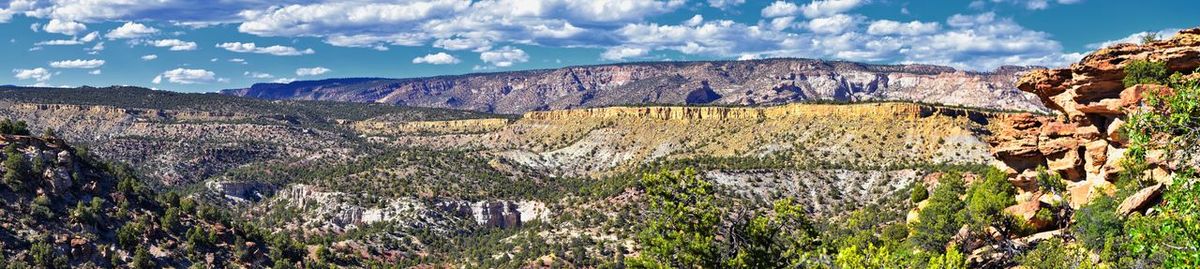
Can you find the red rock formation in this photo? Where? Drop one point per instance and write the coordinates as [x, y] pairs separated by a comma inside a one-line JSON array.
[[1085, 145]]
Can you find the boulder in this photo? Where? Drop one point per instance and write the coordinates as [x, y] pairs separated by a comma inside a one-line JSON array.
[[1027, 212], [1113, 132], [1142, 200], [1079, 193]]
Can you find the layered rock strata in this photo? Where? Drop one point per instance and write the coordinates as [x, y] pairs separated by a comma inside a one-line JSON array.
[[1085, 144]]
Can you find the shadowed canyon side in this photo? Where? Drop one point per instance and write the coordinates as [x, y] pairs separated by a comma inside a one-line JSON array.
[[751, 82]]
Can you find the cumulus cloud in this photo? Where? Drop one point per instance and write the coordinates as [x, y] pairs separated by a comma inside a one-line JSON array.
[[835, 24], [504, 57], [780, 9], [463, 44], [15, 7], [64, 27], [70, 42], [79, 64], [131, 30], [622, 53], [187, 76], [313, 71], [438, 58], [38, 74], [276, 50], [95, 72], [174, 44], [822, 8], [724, 4], [149, 57], [913, 28]]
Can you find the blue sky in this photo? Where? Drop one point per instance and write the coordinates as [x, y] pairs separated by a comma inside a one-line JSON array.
[[208, 45]]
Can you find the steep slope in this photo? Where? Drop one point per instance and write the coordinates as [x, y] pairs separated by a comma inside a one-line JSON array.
[[180, 139], [755, 82], [60, 208]]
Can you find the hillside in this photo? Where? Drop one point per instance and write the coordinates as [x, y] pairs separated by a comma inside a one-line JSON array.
[[753, 82], [180, 139], [62, 208]]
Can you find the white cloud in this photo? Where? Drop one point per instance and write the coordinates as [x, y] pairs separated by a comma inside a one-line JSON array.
[[889, 27], [438, 58], [823, 8], [131, 30], [78, 63], [835, 24], [39, 74], [723, 4], [174, 44], [695, 20], [238, 60], [149, 57], [622, 53], [1135, 38], [1027, 4], [187, 76], [96, 49], [462, 44], [276, 50], [314, 71], [95, 72], [504, 57], [342, 17], [283, 80], [780, 9], [64, 27], [14, 7], [257, 75]]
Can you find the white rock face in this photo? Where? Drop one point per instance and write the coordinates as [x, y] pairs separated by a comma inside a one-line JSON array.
[[337, 211]]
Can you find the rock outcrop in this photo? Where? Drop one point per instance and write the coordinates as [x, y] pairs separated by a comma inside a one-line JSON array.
[[1084, 143], [754, 82]]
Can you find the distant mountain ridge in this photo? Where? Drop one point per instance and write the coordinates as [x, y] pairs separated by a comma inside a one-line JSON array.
[[754, 82]]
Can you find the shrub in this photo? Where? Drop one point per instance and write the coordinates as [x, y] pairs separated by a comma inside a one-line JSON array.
[[986, 200], [1097, 221], [16, 168], [1051, 254], [1145, 72], [682, 228], [919, 193], [942, 218], [9, 127]]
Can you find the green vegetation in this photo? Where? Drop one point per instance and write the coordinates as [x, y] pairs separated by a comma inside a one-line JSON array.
[[16, 168], [9, 127], [1171, 237], [1145, 72], [685, 222], [942, 218], [919, 193]]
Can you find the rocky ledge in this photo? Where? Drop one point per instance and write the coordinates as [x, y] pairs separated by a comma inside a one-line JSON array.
[[1084, 143]]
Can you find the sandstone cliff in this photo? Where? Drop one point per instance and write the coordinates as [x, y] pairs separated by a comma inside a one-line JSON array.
[[1085, 144], [756, 82], [604, 140]]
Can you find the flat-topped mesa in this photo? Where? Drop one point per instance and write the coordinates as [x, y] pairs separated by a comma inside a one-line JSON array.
[[113, 112], [884, 111], [1086, 145], [437, 127]]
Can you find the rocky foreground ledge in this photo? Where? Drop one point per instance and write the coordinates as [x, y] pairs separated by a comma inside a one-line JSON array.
[[1084, 143]]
